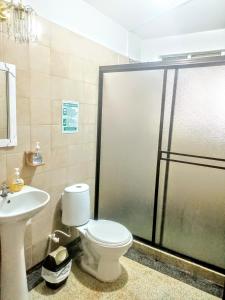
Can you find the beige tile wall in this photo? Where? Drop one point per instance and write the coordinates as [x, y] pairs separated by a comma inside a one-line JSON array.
[[62, 65]]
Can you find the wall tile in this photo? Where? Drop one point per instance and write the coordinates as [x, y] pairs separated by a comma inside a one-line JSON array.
[[91, 183], [61, 66], [23, 111], [77, 90], [56, 106], [23, 140], [77, 173], [17, 54], [43, 221], [91, 72], [39, 251], [39, 85], [76, 68], [28, 235], [40, 58], [89, 133], [88, 114], [58, 138], [59, 157], [40, 109], [61, 39], [77, 46], [60, 88], [15, 160], [42, 134], [90, 93], [3, 169], [76, 138], [58, 177], [1, 50], [22, 84]]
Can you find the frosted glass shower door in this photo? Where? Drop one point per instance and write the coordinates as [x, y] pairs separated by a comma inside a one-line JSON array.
[[195, 213], [129, 146], [194, 190]]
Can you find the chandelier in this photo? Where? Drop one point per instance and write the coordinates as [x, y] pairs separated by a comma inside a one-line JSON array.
[[18, 21]]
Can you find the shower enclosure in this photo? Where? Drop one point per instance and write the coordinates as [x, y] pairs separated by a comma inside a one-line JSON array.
[[161, 155]]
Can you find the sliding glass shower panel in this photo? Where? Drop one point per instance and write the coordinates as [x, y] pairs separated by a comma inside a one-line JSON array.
[[194, 222], [129, 145], [199, 117]]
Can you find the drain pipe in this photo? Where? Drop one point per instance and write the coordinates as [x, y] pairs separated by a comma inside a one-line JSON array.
[[54, 238]]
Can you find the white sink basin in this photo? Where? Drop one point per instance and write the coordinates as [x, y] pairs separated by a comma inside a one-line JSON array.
[[22, 205], [15, 210]]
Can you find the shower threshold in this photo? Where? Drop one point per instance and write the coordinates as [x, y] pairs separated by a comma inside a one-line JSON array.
[[195, 275]]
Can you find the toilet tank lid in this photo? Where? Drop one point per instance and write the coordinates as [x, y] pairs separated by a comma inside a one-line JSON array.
[[109, 232], [77, 188]]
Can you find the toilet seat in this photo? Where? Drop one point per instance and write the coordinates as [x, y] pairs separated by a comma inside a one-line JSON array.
[[108, 233]]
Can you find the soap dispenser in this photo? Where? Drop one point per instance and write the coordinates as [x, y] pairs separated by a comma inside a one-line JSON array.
[[37, 157], [17, 182]]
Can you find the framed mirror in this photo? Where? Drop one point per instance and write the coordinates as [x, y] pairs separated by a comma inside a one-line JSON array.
[[8, 132]]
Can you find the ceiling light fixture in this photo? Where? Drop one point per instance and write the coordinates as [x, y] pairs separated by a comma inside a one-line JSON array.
[[18, 21]]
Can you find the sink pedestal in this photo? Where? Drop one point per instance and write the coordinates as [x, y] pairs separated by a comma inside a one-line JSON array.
[[13, 268], [14, 214]]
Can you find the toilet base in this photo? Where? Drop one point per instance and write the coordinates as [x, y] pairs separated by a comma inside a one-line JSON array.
[[101, 270], [99, 259]]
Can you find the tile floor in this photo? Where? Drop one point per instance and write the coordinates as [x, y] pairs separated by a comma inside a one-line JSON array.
[[137, 282], [193, 278]]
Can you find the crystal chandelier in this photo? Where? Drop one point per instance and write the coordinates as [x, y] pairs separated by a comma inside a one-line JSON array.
[[18, 21]]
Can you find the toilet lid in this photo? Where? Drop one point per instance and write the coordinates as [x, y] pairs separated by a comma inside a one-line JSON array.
[[109, 232], [77, 188]]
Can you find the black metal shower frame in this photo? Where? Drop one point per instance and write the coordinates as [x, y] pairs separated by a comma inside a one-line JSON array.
[[165, 66]]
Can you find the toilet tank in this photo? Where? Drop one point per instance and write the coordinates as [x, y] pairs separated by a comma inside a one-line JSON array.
[[76, 205]]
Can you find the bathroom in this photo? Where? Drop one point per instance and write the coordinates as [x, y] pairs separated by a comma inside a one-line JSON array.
[[141, 85]]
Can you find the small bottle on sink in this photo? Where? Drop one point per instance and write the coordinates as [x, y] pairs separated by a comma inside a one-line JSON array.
[[17, 182]]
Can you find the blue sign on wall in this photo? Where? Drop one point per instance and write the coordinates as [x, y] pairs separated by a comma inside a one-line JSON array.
[[70, 116]]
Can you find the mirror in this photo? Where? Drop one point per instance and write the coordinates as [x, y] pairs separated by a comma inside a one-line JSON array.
[[8, 136], [3, 106]]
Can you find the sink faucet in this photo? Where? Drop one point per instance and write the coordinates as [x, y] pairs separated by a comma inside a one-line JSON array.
[[4, 190]]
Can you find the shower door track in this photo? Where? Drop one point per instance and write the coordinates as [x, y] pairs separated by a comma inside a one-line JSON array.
[[175, 65], [180, 255]]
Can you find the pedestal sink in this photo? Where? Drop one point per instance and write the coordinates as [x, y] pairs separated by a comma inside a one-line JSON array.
[[15, 211]]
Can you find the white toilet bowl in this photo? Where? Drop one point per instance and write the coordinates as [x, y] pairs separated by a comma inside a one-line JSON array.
[[103, 242]]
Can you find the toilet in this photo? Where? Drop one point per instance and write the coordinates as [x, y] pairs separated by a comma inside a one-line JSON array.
[[103, 241]]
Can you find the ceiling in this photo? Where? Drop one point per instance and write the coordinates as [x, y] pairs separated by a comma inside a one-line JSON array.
[[160, 18]]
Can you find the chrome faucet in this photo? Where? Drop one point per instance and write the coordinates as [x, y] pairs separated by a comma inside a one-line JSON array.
[[4, 190]]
